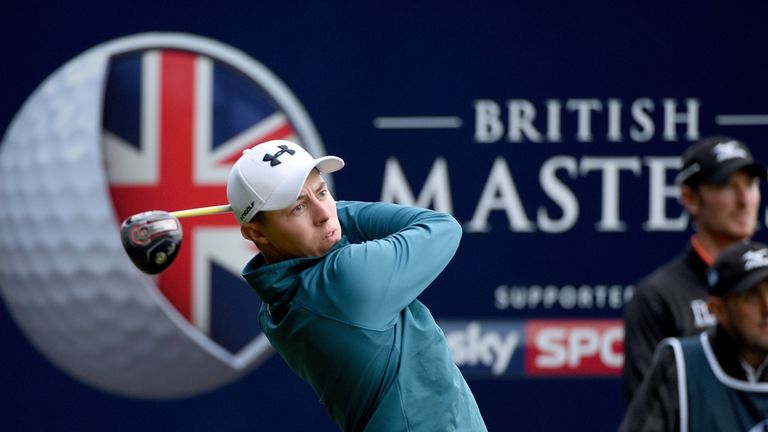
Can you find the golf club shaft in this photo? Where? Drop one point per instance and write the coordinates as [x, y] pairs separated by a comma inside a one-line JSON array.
[[202, 211]]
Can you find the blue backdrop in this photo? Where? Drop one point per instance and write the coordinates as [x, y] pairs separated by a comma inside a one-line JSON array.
[[550, 130]]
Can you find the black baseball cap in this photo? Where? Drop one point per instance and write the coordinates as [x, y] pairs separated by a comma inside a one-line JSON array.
[[738, 268], [713, 160]]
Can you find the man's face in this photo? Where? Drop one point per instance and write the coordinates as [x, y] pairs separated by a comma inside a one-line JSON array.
[[309, 228], [728, 211], [745, 317]]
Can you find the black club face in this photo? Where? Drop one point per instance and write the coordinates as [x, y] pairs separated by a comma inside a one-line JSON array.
[[152, 240]]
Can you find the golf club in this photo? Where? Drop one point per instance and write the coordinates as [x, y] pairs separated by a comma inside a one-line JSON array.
[[152, 239]]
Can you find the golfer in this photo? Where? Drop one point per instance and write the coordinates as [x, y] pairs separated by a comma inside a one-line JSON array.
[[339, 283]]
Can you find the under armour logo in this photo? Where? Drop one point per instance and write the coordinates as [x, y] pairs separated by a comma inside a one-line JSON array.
[[729, 150], [273, 159]]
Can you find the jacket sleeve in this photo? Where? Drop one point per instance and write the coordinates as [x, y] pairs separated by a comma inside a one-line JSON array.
[[396, 252], [656, 404], [646, 323]]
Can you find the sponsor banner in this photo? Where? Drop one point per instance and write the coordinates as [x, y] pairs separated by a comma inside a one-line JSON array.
[[536, 348], [574, 347], [552, 136]]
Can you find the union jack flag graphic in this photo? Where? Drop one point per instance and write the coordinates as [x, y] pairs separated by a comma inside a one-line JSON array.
[[174, 123]]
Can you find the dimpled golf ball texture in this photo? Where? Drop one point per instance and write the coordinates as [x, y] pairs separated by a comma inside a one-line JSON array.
[[64, 275]]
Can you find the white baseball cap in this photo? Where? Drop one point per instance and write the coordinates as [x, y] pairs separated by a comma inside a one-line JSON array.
[[270, 175]]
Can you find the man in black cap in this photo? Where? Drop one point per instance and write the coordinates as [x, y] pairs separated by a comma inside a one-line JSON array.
[[719, 188], [718, 380]]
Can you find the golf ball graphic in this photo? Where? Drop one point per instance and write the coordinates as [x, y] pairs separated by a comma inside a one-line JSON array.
[[64, 274]]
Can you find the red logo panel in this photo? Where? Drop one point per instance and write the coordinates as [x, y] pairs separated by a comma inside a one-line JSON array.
[[574, 347]]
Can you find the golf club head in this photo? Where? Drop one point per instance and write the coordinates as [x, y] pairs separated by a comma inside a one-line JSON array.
[[152, 240]]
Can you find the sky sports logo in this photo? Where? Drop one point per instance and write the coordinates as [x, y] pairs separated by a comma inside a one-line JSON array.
[[536, 348]]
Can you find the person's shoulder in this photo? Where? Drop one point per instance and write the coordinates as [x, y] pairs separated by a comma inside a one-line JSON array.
[[660, 288], [668, 348], [343, 205], [672, 272], [351, 208], [348, 210]]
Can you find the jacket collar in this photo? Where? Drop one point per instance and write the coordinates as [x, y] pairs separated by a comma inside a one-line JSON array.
[[272, 281]]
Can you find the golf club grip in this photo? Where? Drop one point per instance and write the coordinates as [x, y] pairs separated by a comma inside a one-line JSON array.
[[202, 211]]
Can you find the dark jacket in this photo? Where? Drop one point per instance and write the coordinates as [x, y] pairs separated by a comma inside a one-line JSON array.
[[656, 404], [670, 302]]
